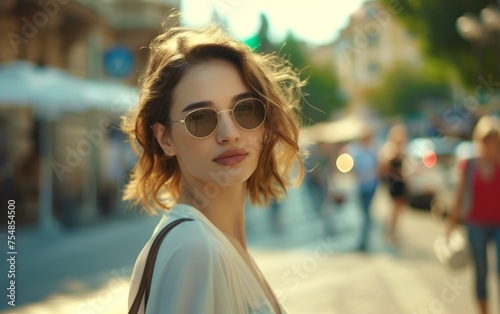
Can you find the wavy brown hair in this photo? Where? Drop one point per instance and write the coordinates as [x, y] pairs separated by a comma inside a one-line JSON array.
[[155, 180]]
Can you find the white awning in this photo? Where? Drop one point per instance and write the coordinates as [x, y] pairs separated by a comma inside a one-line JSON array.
[[52, 91]]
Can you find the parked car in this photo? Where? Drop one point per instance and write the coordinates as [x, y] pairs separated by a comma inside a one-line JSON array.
[[428, 169], [442, 202]]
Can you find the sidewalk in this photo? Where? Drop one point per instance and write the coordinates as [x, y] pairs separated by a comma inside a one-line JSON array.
[[355, 283], [403, 280], [309, 283]]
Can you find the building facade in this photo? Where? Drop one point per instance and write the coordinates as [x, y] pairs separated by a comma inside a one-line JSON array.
[[69, 169], [372, 42], [82, 36]]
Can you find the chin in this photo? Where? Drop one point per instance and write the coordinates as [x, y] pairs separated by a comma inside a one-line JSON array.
[[231, 175]]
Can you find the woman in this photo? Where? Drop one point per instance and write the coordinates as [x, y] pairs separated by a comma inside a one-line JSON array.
[[391, 158], [480, 181], [215, 123]]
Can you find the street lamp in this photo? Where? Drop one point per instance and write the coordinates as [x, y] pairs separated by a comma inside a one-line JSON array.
[[470, 28], [481, 31], [491, 18]]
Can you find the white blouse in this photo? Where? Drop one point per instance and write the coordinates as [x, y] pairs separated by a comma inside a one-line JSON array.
[[198, 270]]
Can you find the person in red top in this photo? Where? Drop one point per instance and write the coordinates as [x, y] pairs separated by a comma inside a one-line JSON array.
[[480, 180]]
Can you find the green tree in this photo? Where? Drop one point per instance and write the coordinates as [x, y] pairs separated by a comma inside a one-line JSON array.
[[321, 94], [434, 23], [403, 90]]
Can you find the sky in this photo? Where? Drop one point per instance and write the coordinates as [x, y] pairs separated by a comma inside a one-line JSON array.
[[315, 21]]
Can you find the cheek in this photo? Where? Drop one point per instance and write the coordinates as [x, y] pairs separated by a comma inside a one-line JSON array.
[[254, 141], [189, 149]]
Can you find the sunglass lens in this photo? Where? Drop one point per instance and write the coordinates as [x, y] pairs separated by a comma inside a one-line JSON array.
[[249, 113], [201, 123]]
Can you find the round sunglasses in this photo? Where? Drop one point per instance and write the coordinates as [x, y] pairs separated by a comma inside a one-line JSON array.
[[249, 114]]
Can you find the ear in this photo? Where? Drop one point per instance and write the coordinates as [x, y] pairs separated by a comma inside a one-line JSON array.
[[161, 134]]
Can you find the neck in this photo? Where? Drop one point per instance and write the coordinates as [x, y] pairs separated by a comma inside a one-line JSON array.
[[223, 206]]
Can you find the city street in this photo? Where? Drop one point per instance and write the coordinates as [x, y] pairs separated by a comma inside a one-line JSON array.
[[87, 271], [141, 99]]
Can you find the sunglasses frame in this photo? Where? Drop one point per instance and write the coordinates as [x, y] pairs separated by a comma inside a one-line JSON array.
[[183, 121]]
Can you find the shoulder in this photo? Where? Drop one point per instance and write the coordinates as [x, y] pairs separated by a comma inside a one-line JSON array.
[[189, 253], [189, 263], [190, 240], [196, 238]]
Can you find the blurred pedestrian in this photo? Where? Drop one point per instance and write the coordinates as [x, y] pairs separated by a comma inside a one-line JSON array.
[[316, 176], [113, 165], [392, 156], [477, 203], [335, 195], [26, 180], [364, 154], [215, 122], [8, 190]]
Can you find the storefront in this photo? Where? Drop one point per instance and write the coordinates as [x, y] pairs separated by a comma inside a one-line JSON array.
[[63, 156]]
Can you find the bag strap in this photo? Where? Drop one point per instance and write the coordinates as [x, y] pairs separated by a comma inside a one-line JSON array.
[[147, 275]]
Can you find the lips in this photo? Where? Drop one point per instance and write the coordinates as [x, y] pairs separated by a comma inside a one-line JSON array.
[[231, 157]]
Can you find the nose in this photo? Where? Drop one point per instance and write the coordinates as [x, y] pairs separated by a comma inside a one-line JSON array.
[[227, 130]]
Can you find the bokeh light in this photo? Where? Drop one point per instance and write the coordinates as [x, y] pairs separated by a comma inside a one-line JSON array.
[[429, 159], [345, 163]]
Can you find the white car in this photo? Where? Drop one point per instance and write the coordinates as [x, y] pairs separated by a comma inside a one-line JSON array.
[[428, 169]]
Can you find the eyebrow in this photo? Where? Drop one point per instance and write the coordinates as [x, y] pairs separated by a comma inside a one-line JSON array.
[[208, 103]]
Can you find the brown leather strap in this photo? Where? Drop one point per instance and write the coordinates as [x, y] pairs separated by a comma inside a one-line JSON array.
[[147, 275]]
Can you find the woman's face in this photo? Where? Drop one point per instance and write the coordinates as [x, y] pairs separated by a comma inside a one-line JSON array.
[[491, 145], [215, 84]]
